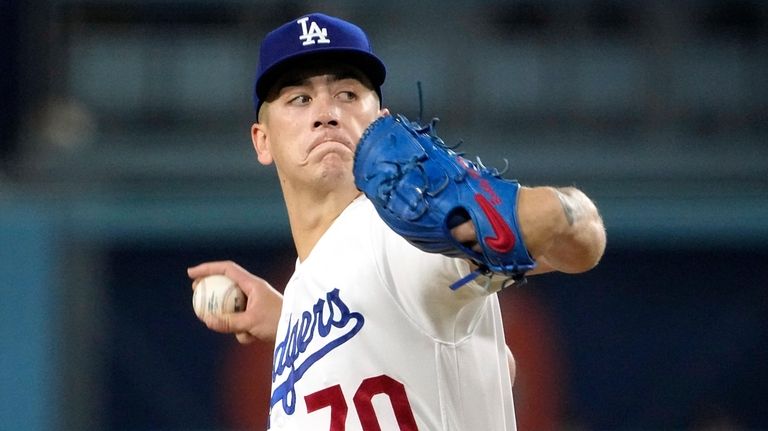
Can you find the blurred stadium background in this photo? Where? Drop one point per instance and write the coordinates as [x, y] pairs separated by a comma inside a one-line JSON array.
[[126, 158]]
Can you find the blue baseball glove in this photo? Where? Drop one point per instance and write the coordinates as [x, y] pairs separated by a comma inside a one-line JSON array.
[[422, 189]]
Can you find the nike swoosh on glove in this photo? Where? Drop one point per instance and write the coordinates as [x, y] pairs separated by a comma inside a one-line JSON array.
[[422, 189]]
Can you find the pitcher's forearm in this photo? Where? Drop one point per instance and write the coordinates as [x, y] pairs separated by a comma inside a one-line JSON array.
[[561, 228]]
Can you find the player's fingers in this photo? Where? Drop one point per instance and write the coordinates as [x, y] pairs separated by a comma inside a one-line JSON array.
[[245, 337], [216, 323], [247, 281], [227, 323], [211, 268], [465, 233], [227, 268]]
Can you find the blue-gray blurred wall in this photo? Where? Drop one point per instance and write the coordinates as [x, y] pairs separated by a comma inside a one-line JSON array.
[[126, 157]]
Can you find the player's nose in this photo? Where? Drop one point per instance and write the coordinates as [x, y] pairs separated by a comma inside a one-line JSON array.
[[326, 120], [326, 114]]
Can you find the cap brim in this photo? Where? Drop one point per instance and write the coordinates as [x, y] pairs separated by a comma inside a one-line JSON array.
[[370, 65]]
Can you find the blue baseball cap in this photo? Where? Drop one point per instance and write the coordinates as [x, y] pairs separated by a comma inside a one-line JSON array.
[[314, 35]]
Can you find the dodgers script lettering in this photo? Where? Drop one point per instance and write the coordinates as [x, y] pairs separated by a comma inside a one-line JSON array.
[[290, 360]]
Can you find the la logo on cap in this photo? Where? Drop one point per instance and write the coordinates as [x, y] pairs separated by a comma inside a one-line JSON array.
[[313, 32]]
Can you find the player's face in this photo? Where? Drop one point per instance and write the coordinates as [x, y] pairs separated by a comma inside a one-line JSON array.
[[311, 124]]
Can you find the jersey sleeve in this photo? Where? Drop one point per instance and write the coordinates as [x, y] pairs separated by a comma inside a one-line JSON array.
[[420, 283]]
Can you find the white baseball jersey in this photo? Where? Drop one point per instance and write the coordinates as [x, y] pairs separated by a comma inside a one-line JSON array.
[[371, 337]]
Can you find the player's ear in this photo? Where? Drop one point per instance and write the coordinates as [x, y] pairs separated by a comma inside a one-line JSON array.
[[260, 143], [383, 112]]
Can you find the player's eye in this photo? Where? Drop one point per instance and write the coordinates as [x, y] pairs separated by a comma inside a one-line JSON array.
[[301, 99], [347, 96]]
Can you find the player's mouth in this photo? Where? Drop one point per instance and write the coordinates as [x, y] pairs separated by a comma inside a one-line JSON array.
[[330, 141]]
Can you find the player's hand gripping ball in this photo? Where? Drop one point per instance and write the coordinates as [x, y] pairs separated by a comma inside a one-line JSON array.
[[217, 295], [422, 189]]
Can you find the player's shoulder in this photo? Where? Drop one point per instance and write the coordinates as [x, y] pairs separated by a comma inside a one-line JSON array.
[[361, 224], [362, 210], [361, 204]]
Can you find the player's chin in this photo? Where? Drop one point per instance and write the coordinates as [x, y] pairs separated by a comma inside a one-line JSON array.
[[334, 173], [335, 160]]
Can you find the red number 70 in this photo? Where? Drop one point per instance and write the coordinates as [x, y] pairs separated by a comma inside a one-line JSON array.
[[333, 397]]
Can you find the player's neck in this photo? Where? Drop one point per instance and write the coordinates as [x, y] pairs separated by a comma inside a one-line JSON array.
[[311, 213]]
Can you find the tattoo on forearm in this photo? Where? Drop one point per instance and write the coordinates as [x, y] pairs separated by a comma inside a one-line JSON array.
[[568, 207]]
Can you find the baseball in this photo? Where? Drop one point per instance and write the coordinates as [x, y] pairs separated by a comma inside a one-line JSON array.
[[217, 294]]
